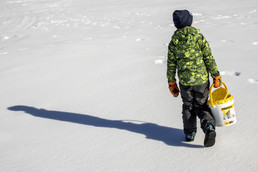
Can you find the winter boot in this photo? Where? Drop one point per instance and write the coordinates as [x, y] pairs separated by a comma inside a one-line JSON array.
[[210, 135], [190, 137]]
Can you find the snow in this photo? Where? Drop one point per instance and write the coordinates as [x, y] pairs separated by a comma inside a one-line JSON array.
[[84, 88]]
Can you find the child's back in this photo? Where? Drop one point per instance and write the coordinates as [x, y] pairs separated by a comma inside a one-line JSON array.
[[193, 56]]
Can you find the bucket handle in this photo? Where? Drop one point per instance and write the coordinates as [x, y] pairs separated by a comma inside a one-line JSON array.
[[212, 104]]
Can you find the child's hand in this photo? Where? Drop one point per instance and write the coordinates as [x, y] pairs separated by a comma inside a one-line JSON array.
[[173, 88], [217, 81]]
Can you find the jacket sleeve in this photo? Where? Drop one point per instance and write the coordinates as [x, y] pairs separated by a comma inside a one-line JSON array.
[[208, 58], [171, 63]]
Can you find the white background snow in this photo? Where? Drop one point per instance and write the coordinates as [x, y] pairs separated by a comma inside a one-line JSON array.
[[83, 86]]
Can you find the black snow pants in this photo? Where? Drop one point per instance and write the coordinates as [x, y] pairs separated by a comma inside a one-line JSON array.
[[195, 104]]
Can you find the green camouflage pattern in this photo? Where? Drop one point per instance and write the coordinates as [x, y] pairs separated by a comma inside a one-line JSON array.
[[189, 53]]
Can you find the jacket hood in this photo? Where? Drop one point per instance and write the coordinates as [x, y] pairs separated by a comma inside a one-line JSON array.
[[185, 36]]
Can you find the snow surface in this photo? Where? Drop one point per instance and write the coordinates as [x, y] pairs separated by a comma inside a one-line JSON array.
[[84, 88]]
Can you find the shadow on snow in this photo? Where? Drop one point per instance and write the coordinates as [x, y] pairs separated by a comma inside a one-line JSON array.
[[168, 135]]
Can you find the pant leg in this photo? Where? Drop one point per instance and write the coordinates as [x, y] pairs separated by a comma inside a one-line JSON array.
[[188, 112], [201, 93]]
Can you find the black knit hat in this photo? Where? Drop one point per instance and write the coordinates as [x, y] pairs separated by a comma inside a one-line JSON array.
[[182, 18]]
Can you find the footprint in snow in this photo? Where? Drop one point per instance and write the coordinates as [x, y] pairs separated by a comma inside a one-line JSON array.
[[139, 39], [253, 11], [3, 53], [230, 73], [253, 81], [160, 60], [227, 41]]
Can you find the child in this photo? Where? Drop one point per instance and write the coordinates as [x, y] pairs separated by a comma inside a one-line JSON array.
[[190, 54]]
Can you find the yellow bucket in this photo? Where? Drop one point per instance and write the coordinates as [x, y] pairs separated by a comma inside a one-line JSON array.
[[221, 104]]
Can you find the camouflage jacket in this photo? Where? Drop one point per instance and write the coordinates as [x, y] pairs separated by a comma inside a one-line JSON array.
[[190, 54]]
